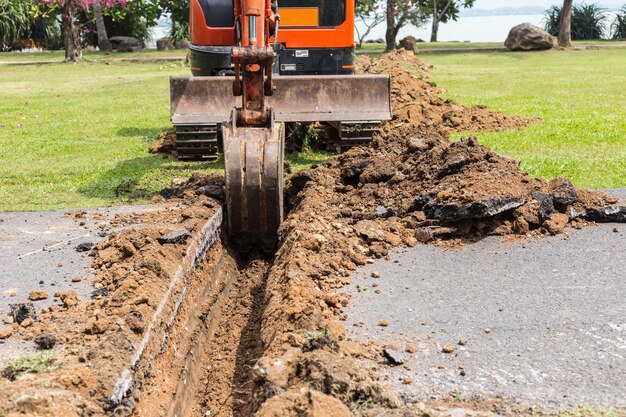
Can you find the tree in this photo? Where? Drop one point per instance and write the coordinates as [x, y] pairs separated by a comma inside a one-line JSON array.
[[70, 11], [371, 14], [103, 39], [565, 26], [442, 11], [398, 13], [586, 21]]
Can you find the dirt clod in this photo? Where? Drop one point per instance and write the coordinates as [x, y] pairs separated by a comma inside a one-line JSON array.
[[37, 295], [12, 292], [45, 341], [6, 332], [448, 348]]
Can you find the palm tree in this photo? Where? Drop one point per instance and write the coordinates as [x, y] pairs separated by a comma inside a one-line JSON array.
[[565, 28], [103, 39]]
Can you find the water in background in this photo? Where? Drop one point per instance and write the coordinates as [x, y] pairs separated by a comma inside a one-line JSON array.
[[469, 28]]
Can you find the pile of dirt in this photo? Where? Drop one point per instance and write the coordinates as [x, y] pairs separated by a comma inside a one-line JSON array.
[[416, 100]]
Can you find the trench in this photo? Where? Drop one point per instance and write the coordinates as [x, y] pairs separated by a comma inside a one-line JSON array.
[[206, 367]]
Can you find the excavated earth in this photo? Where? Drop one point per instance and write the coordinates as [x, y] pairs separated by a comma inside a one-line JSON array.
[[244, 336]]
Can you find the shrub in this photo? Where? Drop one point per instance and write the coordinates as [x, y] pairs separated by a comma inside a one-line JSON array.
[[15, 17], [618, 27], [588, 21]]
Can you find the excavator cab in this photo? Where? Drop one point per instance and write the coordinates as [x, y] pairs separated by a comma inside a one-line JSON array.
[[256, 66]]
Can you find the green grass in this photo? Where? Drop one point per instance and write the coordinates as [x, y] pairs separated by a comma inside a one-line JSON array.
[[588, 412], [579, 95], [71, 135], [89, 55], [376, 48], [31, 363]]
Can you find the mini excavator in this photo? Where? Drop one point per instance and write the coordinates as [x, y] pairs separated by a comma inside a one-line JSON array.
[[257, 65]]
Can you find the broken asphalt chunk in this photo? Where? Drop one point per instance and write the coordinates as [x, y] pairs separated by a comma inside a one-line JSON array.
[[177, 236], [475, 210], [610, 214], [22, 311], [84, 247], [394, 357]]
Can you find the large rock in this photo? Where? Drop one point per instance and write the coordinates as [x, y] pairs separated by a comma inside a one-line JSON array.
[[126, 43], [409, 43], [182, 45], [528, 37], [164, 44]]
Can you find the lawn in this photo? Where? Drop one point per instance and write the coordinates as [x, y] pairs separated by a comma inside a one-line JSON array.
[[78, 135], [579, 95], [89, 55], [379, 47]]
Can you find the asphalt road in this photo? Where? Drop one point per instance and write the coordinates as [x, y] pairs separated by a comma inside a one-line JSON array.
[[38, 252], [555, 308]]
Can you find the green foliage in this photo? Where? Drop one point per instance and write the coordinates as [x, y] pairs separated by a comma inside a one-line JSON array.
[[179, 14], [136, 18], [310, 138], [552, 20], [588, 21], [618, 27], [179, 32], [32, 363], [15, 18], [312, 335], [588, 412], [446, 10], [364, 8]]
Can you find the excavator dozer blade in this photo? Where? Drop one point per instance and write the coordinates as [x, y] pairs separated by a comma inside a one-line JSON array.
[[202, 101]]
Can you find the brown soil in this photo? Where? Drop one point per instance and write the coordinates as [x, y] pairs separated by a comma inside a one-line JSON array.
[[267, 339], [165, 144]]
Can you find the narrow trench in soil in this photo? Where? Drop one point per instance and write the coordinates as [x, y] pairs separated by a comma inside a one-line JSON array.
[[227, 386], [215, 344]]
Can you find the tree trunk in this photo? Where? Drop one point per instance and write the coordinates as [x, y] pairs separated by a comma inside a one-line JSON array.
[[435, 28], [390, 33], [565, 27], [103, 39], [71, 34]]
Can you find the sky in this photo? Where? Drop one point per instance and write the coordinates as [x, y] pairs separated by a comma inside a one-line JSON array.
[[495, 4]]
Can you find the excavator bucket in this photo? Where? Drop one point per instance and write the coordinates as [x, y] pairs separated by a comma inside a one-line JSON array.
[[201, 101], [253, 159]]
